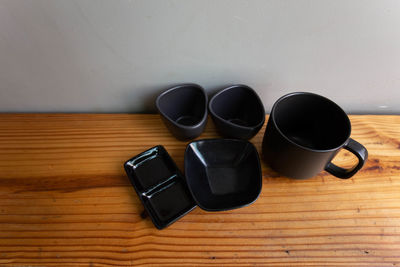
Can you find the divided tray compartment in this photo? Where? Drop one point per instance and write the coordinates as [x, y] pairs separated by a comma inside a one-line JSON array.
[[160, 186]]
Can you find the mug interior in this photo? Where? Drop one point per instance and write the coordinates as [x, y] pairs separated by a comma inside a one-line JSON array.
[[311, 121], [239, 105], [184, 105]]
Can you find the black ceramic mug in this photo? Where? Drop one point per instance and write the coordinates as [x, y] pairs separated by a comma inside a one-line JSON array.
[[304, 133]]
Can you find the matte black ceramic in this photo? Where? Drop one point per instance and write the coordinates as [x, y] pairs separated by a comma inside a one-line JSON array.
[[223, 174], [304, 133], [160, 186], [183, 109], [237, 112]]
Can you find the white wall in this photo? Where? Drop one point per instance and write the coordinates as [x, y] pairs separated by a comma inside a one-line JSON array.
[[116, 56]]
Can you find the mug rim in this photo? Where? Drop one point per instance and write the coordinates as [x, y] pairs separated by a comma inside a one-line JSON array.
[[322, 98], [194, 86]]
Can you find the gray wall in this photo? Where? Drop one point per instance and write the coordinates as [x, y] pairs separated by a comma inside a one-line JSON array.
[[116, 56]]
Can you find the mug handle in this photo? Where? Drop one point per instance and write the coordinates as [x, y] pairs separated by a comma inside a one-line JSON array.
[[357, 149]]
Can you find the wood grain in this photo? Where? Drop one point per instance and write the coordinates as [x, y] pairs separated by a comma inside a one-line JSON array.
[[65, 200]]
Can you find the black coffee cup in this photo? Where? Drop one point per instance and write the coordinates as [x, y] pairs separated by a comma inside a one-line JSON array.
[[183, 109], [237, 112], [304, 133]]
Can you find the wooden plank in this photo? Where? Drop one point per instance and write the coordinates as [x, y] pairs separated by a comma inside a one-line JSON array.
[[65, 200]]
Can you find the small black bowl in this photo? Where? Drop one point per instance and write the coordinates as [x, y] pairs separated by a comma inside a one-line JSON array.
[[223, 174], [237, 112], [183, 110]]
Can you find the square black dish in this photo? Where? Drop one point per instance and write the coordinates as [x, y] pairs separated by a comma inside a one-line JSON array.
[[160, 186], [223, 174]]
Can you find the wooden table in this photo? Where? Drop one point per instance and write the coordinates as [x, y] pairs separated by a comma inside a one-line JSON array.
[[65, 200]]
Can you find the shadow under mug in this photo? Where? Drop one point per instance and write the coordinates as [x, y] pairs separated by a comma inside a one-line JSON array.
[[304, 133]]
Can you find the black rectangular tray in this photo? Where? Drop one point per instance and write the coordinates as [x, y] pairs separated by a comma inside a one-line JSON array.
[[160, 186]]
